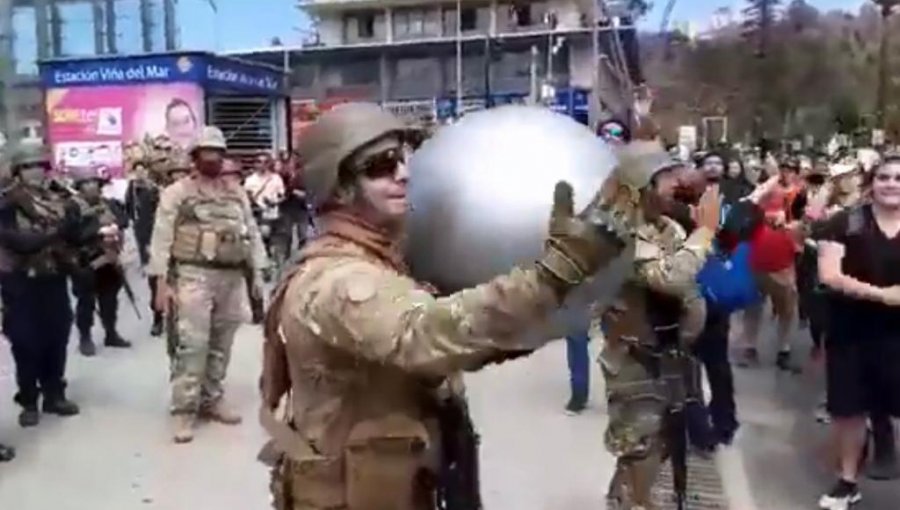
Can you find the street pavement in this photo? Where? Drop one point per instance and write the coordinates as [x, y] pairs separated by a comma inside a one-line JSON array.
[[117, 455]]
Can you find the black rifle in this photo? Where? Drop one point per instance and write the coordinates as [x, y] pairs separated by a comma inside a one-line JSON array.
[[458, 482], [257, 303]]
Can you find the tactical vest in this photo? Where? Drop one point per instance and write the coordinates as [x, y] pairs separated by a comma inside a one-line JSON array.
[[42, 212], [212, 232], [663, 313]]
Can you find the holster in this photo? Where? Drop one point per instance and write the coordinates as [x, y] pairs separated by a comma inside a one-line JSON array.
[[458, 480]]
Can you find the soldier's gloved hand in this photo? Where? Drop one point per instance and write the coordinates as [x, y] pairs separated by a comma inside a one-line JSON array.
[[577, 246]]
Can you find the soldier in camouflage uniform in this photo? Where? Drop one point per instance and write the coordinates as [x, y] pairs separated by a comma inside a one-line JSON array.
[[203, 237], [40, 231], [99, 276], [647, 330], [363, 351]]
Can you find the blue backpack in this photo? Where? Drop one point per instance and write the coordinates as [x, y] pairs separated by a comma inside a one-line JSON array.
[[727, 283]]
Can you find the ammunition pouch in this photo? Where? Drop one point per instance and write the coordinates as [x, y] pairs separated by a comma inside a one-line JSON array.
[[201, 245], [385, 460]]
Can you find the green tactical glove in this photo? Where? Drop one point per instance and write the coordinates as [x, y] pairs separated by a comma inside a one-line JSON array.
[[578, 246]]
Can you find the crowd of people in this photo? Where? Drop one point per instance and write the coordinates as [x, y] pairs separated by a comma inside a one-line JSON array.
[[822, 249]]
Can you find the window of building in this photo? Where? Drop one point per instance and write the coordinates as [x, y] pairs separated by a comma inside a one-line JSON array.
[[365, 26], [359, 72], [468, 19], [409, 23], [520, 15]]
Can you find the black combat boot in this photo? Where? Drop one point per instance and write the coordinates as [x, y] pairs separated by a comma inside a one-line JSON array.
[[7, 453], [60, 406], [883, 464], [114, 340], [157, 328], [86, 345], [29, 417]]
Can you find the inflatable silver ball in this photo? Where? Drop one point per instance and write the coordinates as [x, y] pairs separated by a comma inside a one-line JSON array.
[[481, 192]]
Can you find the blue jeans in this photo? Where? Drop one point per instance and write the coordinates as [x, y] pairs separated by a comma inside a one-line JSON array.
[[579, 367]]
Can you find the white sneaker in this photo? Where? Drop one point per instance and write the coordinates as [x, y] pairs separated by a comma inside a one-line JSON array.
[[841, 497]]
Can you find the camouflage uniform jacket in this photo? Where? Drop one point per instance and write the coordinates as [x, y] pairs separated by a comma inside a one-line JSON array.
[[666, 262], [168, 218], [364, 344]]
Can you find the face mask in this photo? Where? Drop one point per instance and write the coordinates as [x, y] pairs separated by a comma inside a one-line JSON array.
[[209, 168], [91, 192], [816, 180], [32, 176]]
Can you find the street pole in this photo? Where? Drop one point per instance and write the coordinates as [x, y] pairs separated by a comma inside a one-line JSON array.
[[887, 7], [7, 71], [459, 61], [550, 59], [533, 71], [594, 110]]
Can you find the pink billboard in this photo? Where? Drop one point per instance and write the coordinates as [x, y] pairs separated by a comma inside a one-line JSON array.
[[89, 126]]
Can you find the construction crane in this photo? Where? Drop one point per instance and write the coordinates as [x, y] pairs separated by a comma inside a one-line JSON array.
[[667, 16], [664, 29]]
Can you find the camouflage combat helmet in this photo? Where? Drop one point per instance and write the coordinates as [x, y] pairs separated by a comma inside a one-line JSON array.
[[83, 174], [210, 138], [179, 162], [640, 161], [334, 137], [28, 155]]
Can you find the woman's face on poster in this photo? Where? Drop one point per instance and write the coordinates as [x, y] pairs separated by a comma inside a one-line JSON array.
[[181, 124]]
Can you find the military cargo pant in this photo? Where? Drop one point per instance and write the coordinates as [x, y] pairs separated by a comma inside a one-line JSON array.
[[210, 305], [97, 289], [37, 320], [637, 404]]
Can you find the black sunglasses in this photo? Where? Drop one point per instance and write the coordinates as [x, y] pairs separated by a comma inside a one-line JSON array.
[[383, 164]]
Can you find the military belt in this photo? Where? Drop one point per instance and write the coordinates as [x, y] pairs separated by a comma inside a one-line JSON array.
[[210, 264], [285, 439]]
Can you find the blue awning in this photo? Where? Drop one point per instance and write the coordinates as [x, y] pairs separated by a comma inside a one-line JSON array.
[[214, 73]]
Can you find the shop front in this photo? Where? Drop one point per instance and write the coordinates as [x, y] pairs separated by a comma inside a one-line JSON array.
[[95, 106]]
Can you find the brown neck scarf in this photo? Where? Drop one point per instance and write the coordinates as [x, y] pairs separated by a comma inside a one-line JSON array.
[[378, 242]]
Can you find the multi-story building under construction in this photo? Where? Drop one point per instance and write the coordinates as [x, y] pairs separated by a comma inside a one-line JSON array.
[[34, 30], [425, 55]]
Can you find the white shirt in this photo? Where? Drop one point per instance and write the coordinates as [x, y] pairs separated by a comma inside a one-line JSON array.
[[266, 191]]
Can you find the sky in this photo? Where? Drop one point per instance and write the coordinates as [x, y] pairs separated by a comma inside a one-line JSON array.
[[245, 24]]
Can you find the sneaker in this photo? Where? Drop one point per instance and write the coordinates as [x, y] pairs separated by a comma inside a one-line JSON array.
[[784, 363], [822, 415], [841, 496], [749, 358], [575, 407]]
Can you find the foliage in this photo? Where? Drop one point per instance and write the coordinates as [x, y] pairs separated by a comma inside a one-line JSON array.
[[817, 74]]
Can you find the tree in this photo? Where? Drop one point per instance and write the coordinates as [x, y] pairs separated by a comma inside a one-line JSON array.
[[819, 73]]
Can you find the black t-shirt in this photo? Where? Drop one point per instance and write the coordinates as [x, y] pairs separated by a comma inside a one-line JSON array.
[[870, 257]]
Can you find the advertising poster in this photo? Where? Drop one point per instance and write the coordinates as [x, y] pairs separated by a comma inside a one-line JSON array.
[[305, 112], [89, 126]]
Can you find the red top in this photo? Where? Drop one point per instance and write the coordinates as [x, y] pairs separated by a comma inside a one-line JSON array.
[[771, 249]]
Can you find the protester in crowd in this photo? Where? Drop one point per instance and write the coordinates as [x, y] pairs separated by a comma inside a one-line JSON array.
[[773, 250], [859, 260], [735, 185]]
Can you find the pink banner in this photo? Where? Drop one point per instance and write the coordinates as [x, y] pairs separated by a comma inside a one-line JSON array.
[[89, 126]]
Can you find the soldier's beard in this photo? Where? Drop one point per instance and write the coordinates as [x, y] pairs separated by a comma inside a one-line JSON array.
[[209, 168], [32, 177]]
